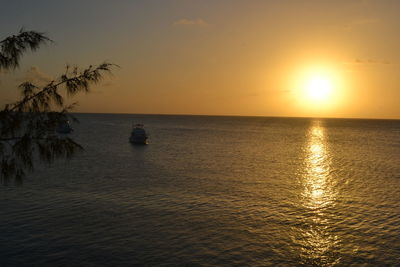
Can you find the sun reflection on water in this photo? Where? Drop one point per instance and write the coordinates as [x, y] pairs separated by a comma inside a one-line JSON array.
[[317, 190], [318, 196]]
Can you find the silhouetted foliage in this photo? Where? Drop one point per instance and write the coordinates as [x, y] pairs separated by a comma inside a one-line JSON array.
[[27, 126], [14, 46]]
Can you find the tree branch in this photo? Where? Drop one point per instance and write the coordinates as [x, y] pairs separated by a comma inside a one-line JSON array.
[[12, 47], [77, 83], [27, 125]]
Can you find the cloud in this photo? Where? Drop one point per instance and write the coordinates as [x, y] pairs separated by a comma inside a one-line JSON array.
[[194, 22], [35, 75], [361, 22], [365, 21], [367, 61]]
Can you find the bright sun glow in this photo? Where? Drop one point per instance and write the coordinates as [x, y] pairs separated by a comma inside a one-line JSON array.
[[318, 88]]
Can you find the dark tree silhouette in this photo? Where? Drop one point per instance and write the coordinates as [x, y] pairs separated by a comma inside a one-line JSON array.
[[27, 125]]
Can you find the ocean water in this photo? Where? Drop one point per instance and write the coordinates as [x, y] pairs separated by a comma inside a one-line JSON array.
[[207, 191]]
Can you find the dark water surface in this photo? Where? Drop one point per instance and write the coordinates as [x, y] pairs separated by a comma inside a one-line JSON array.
[[212, 191]]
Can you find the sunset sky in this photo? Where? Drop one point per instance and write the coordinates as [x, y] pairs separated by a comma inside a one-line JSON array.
[[338, 58]]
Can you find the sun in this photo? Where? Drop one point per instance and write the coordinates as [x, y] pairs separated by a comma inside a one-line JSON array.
[[318, 88]]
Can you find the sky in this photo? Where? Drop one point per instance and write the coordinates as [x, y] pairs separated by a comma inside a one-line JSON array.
[[297, 58]]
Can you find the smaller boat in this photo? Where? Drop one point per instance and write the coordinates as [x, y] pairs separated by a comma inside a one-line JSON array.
[[138, 135], [64, 128]]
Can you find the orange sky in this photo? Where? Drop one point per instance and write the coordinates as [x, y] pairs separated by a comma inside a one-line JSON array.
[[220, 57]]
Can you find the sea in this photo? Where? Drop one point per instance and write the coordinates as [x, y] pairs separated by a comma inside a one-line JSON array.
[[211, 191]]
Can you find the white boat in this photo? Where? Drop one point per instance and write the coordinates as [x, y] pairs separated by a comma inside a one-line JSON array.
[[64, 128], [138, 135]]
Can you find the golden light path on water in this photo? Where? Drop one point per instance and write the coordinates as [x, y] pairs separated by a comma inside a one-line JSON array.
[[318, 196], [317, 192]]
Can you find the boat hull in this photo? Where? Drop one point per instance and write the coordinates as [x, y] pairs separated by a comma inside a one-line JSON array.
[[138, 140], [138, 135]]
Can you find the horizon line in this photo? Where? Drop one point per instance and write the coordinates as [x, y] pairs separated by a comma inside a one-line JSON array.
[[233, 115]]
